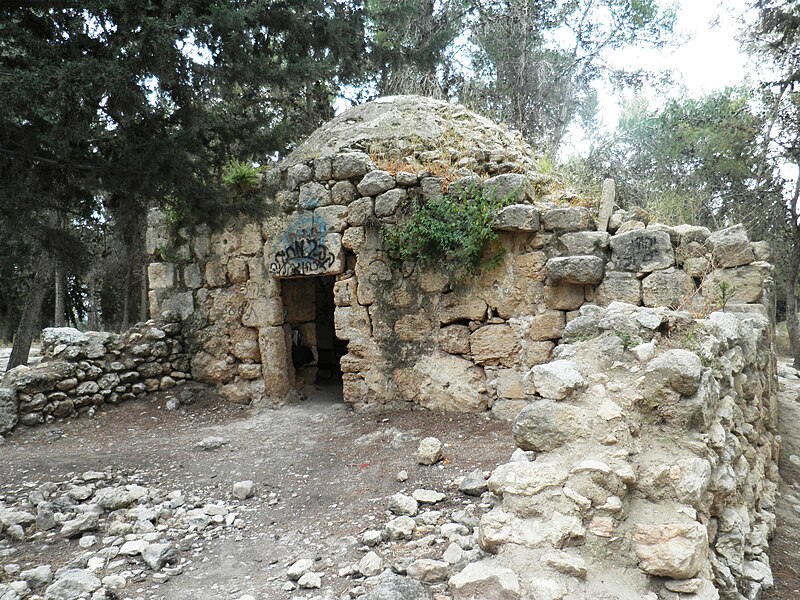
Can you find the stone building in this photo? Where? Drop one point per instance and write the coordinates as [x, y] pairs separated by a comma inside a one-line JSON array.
[[313, 275]]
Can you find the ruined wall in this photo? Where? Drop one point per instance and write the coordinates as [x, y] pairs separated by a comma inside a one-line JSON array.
[[81, 371], [655, 468], [415, 335]]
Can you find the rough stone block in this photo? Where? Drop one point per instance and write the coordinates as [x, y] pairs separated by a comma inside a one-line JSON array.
[[413, 328], [537, 353], [547, 326], [455, 308], [509, 384], [359, 211], [746, 282], [216, 274], [642, 251], [9, 409], [375, 182], [730, 247], [344, 292], [509, 186], [454, 339], [517, 217], [576, 270], [677, 550], [557, 380], [275, 348], [618, 286], [297, 174], [444, 382], [352, 322], [564, 220], [495, 344], [670, 289], [351, 164], [192, 276], [343, 192], [564, 297], [161, 275], [237, 270], [485, 579], [583, 243], [387, 203]]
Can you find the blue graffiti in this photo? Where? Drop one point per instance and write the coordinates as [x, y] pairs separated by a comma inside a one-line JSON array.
[[303, 250]]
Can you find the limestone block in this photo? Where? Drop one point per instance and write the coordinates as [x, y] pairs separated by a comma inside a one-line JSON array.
[[670, 289], [225, 244], [576, 270], [761, 251], [433, 281], [642, 251], [485, 579], [509, 384], [349, 165], [564, 220], [9, 409], [457, 308], [333, 218], [517, 217], [558, 379], [192, 276], [244, 344], [697, 266], [537, 353], [444, 382], [297, 174], [526, 478], [547, 326], [564, 297], [352, 322], [343, 193], [375, 182], [746, 282], [464, 187], [676, 550], [495, 344], [344, 292], [207, 368], [161, 275], [387, 203], [544, 425], [354, 239], [201, 242], [680, 369], [509, 186], [359, 211], [730, 247], [311, 254], [531, 265], [606, 204], [181, 303], [413, 328], [454, 339], [691, 233], [323, 168], [250, 239], [632, 225], [216, 274], [372, 271], [432, 187], [275, 348], [585, 243], [262, 311], [314, 195], [406, 178], [620, 287], [237, 270]]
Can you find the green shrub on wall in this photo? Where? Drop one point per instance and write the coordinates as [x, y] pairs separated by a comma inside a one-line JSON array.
[[450, 232]]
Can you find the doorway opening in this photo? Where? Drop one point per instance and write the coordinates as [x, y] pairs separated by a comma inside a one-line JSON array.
[[316, 351]]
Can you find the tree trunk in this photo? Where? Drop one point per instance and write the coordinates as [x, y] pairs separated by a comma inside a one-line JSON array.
[[60, 293], [30, 322], [126, 299], [792, 277], [93, 302], [143, 295]]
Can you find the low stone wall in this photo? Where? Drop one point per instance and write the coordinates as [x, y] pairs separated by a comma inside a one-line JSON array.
[[655, 467], [81, 371]]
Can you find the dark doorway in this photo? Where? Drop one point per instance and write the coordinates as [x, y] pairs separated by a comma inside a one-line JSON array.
[[316, 351]]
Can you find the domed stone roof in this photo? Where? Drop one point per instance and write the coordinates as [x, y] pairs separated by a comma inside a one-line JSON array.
[[422, 130]]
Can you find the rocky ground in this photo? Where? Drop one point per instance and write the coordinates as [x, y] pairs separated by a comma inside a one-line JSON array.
[[144, 502]]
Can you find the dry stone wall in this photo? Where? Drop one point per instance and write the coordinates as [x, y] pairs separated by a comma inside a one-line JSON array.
[[655, 469], [81, 371]]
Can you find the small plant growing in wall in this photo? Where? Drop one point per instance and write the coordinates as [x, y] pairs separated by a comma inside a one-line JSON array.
[[451, 232], [241, 177], [724, 293]]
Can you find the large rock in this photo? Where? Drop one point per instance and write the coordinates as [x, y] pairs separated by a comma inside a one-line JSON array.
[[510, 186], [351, 164], [375, 182], [526, 478], [580, 270], [39, 378], [619, 286], [585, 243], [745, 283], [9, 409], [556, 380], [444, 382], [669, 289], [564, 220], [730, 247], [69, 336], [680, 369], [517, 217], [676, 550], [495, 344], [485, 580], [72, 584], [642, 251], [543, 425], [389, 586]]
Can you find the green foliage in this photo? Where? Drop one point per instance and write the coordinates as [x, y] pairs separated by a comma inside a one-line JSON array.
[[626, 338], [724, 293], [451, 232], [241, 177]]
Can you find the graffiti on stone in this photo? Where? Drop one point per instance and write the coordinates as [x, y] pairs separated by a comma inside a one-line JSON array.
[[303, 251], [639, 250]]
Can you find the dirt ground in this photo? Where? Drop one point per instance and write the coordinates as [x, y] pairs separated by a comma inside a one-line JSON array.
[[330, 470], [323, 474]]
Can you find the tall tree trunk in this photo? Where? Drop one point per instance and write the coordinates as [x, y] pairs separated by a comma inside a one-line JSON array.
[[60, 294], [93, 302], [30, 322], [143, 295], [792, 325], [126, 299]]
